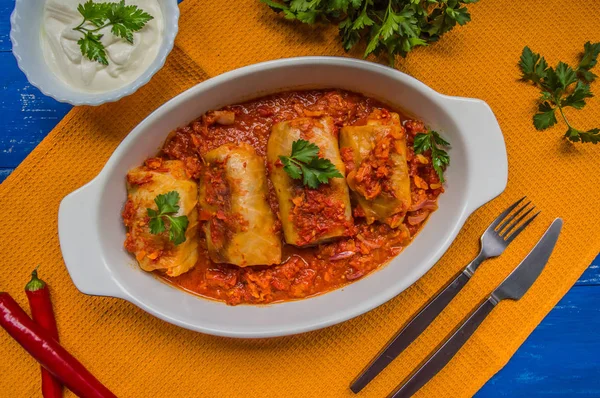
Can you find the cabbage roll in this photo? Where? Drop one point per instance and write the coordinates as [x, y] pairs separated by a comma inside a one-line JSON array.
[[157, 252], [240, 227], [376, 167], [309, 216]]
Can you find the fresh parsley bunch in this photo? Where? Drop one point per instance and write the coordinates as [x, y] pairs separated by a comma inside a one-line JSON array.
[[394, 27], [167, 205], [123, 19], [304, 163], [562, 87], [439, 157]]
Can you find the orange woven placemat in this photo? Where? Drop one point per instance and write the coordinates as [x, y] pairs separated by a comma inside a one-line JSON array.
[[137, 355]]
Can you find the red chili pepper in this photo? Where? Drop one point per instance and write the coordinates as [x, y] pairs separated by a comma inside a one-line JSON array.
[[51, 355], [42, 314]]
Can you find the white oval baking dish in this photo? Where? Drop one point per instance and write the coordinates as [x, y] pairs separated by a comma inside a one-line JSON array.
[[91, 231]]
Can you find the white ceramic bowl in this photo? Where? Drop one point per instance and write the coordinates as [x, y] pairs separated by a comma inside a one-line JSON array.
[[91, 231], [26, 21]]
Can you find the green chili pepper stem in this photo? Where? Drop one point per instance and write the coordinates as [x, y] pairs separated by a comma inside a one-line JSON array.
[[35, 283]]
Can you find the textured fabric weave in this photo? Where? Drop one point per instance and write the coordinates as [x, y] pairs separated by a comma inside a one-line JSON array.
[[137, 355]]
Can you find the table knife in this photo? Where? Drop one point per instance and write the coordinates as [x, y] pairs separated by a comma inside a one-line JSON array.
[[512, 288]]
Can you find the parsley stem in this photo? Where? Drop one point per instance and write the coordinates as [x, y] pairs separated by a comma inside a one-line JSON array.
[[97, 29], [563, 116], [83, 30], [80, 25], [80, 30], [297, 162], [375, 14]]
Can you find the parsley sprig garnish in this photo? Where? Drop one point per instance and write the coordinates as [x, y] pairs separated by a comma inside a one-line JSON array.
[[439, 157], [123, 19], [304, 163], [562, 87], [167, 205], [394, 27]]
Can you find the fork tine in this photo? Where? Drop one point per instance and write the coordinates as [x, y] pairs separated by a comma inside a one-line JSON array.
[[512, 217], [501, 217], [515, 223], [521, 228]]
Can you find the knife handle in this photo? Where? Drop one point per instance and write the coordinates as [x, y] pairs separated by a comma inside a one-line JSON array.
[[445, 353], [410, 332]]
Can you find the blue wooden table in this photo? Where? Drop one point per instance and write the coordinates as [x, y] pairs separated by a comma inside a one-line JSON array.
[[561, 358]]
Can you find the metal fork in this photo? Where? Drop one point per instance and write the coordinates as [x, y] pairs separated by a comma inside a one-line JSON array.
[[494, 240]]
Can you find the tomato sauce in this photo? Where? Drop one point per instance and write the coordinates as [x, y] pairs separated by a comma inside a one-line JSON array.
[[317, 213], [308, 271]]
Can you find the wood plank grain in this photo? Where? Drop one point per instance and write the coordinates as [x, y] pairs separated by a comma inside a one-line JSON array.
[[6, 7], [560, 358], [27, 115], [4, 173], [591, 276]]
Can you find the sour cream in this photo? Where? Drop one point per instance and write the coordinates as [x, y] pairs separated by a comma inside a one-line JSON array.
[[126, 62]]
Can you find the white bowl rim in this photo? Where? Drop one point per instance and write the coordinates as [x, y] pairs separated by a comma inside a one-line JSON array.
[[171, 30], [117, 290]]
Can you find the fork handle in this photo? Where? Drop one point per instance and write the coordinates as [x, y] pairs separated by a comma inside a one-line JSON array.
[[440, 358], [411, 331]]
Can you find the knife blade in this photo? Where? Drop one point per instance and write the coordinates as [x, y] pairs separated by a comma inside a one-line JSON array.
[[520, 280], [513, 287]]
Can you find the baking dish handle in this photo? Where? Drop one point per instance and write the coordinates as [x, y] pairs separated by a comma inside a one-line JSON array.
[[487, 162], [79, 243]]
